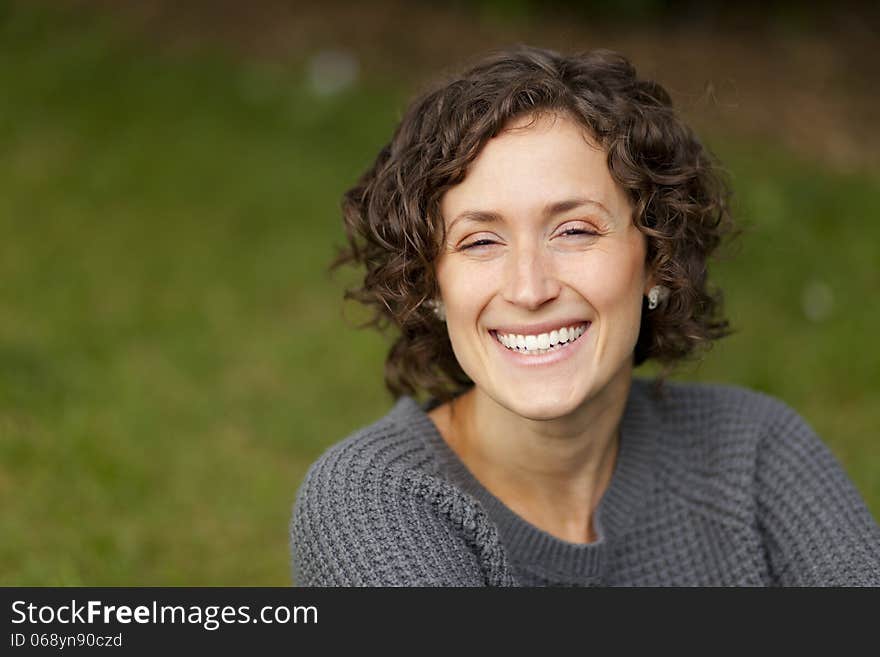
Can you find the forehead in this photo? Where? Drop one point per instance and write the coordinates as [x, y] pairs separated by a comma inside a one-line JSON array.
[[534, 161]]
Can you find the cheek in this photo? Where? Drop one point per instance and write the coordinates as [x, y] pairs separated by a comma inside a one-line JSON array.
[[612, 282], [465, 289], [465, 292]]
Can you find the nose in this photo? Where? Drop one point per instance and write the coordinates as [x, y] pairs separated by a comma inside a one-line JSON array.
[[529, 278]]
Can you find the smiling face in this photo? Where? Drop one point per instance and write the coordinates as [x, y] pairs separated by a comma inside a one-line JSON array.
[[543, 272]]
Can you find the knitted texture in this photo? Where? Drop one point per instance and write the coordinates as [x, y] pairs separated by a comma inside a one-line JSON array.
[[713, 486]]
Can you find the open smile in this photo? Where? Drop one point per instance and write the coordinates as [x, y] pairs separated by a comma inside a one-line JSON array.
[[541, 343], [540, 348]]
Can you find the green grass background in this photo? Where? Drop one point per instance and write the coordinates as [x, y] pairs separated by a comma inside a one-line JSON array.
[[173, 354]]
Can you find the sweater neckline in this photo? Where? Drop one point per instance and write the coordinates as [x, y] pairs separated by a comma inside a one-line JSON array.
[[530, 547]]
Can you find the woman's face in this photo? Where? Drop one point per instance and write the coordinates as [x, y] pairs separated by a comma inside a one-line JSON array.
[[543, 272]]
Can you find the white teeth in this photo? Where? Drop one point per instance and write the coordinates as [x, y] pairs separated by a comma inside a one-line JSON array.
[[543, 342]]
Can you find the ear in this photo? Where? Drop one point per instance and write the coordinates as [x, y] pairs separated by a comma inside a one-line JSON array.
[[650, 281]]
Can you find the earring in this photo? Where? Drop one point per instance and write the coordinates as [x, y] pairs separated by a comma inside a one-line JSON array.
[[436, 307], [656, 295]]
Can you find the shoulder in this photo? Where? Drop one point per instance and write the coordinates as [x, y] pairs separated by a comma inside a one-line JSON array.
[[746, 440], [698, 403], [750, 460], [371, 510], [388, 446], [380, 455], [716, 413], [712, 440]]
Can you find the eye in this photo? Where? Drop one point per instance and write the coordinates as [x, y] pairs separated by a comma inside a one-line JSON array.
[[578, 229], [476, 243]]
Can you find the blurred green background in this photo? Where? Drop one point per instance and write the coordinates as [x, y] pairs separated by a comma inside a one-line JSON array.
[[173, 354]]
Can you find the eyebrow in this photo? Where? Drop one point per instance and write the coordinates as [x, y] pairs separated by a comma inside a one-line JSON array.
[[558, 207]]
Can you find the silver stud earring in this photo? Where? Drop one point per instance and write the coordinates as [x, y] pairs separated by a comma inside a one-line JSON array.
[[656, 295], [436, 307]]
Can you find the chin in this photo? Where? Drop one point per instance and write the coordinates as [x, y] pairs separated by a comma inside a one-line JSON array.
[[545, 404]]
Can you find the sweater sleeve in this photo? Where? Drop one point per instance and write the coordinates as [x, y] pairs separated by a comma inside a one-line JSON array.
[[358, 524], [817, 529]]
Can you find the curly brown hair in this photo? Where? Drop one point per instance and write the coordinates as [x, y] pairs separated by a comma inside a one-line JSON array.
[[394, 226]]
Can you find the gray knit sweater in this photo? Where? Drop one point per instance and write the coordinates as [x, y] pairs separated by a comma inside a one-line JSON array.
[[713, 486]]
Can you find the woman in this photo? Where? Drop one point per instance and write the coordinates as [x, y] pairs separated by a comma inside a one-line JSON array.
[[535, 229]]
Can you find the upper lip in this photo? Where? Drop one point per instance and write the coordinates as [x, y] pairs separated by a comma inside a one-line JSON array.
[[536, 329]]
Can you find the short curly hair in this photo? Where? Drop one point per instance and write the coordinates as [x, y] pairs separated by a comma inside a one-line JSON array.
[[394, 226]]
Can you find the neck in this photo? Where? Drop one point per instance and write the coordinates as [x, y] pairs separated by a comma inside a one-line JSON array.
[[551, 472]]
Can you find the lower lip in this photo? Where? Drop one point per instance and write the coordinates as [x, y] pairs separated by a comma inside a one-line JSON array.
[[549, 358]]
